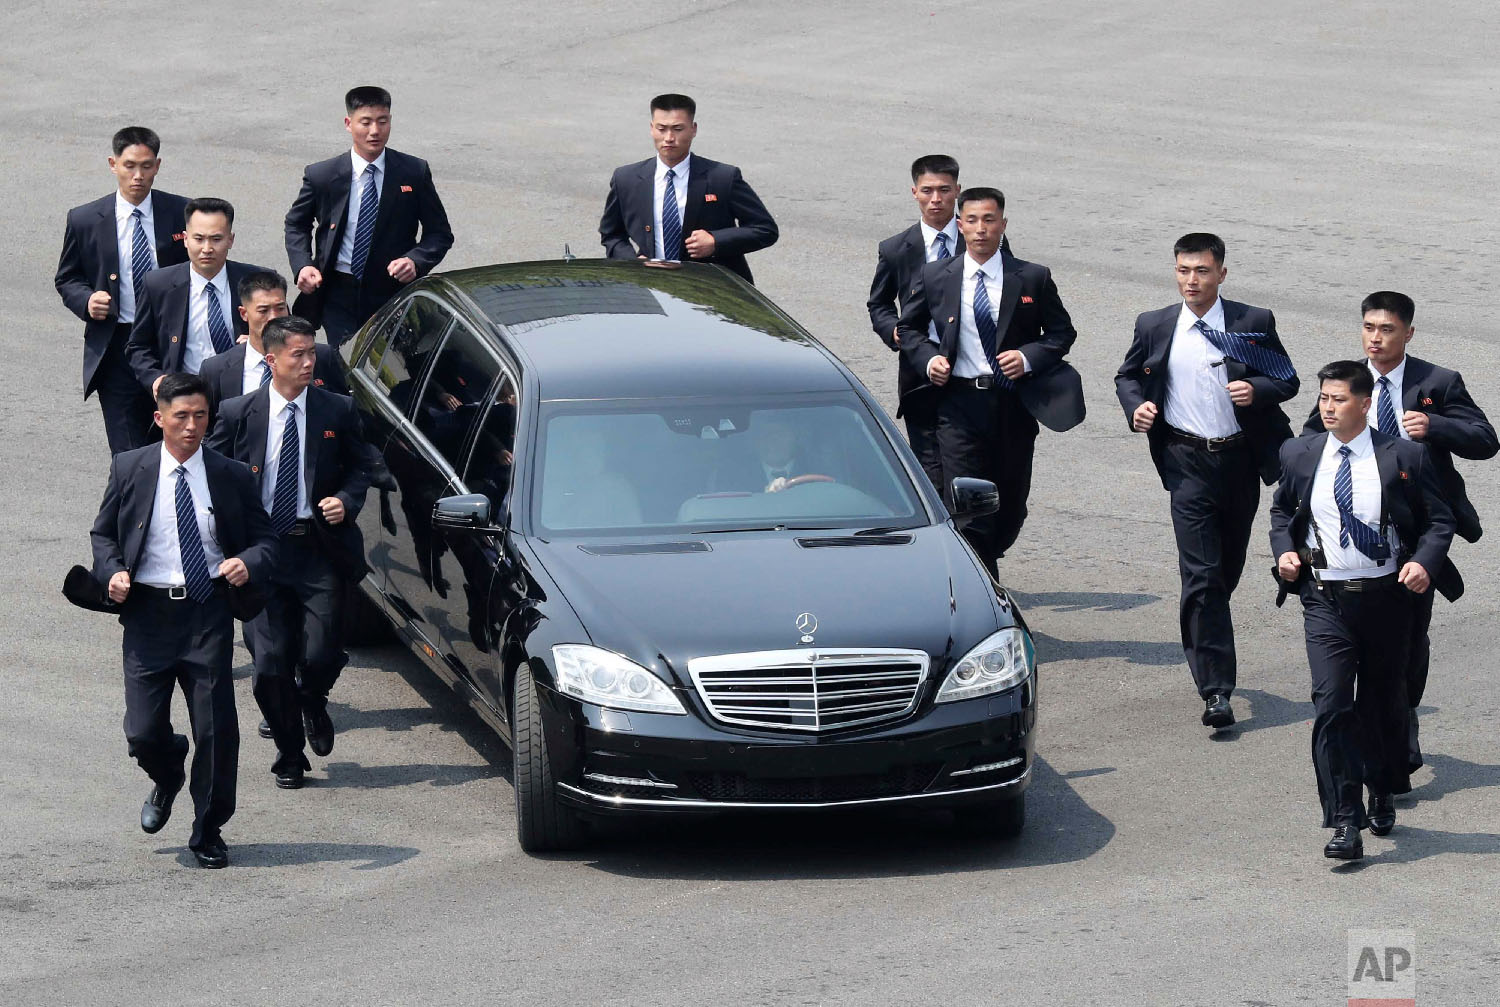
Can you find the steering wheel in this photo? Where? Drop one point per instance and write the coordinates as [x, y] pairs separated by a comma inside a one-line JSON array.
[[809, 477]]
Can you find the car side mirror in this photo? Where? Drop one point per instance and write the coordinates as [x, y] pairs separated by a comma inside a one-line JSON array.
[[469, 512], [974, 498]]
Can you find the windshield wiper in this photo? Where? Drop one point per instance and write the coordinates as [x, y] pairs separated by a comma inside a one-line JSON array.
[[735, 531], [887, 530]]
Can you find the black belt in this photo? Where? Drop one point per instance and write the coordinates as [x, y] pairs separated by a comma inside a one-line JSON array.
[[1206, 443], [146, 592], [302, 526], [1359, 584], [982, 383]]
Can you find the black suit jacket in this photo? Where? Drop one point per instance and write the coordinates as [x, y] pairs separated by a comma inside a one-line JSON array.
[[1032, 319], [90, 261], [1143, 378], [1456, 426], [242, 527], [719, 201], [225, 374], [336, 463], [1410, 496], [319, 215], [158, 339]]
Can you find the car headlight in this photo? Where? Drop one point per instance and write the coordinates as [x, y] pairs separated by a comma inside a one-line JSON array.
[[1003, 661], [607, 679]]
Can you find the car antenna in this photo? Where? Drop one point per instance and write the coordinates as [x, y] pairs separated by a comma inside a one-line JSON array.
[[568, 255]]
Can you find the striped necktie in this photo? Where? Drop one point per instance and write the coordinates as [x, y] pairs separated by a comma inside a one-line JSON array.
[[671, 222], [984, 323], [218, 328], [1385, 412], [1243, 346], [189, 543], [141, 259], [364, 229], [284, 501], [1366, 539], [941, 245], [265, 372]]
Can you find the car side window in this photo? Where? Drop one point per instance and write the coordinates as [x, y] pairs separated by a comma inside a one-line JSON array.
[[400, 351], [492, 457], [455, 390]]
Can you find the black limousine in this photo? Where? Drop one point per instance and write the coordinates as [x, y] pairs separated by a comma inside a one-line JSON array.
[[678, 557]]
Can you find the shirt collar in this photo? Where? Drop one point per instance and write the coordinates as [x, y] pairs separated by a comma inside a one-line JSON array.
[[929, 233], [253, 357], [681, 168], [194, 465], [1214, 318], [1396, 374], [124, 208], [358, 163], [992, 267], [278, 403], [1359, 448], [220, 282]]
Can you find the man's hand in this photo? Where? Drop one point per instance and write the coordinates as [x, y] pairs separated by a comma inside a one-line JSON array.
[[699, 244], [235, 571], [449, 401], [119, 587], [1416, 424], [938, 370], [1289, 565], [1144, 417], [896, 335], [402, 269], [1012, 364], [1414, 576], [155, 385], [333, 509], [776, 485], [1241, 393], [99, 302], [309, 279]]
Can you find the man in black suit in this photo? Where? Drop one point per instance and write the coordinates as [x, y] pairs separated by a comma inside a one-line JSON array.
[[1358, 526], [109, 248], [262, 297], [352, 232], [1203, 380], [1419, 401], [187, 314], [177, 532], [988, 332], [312, 468], [675, 205]]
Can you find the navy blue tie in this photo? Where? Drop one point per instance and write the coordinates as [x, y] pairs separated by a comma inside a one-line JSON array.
[[985, 324], [1385, 412], [218, 328], [671, 222], [364, 228], [265, 372], [141, 259], [288, 462], [941, 241], [195, 573], [1366, 539], [1242, 346]]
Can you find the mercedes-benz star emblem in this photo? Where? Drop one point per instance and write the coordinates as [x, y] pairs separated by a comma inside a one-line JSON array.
[[807, 625]]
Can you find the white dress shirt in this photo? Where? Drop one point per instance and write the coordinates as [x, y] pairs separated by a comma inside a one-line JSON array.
[[969, 359], [274, 429], [1395, 377], [161, 557], [251, 380], [1197, 399], [1347, 562], [679, 186], [929, 238], [344, 263], [200, 345], [125, 241]]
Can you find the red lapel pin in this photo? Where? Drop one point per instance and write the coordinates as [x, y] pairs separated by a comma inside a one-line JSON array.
[[406, 188], [329, 435], [710, 198], [1426, 402], [1026, 299]]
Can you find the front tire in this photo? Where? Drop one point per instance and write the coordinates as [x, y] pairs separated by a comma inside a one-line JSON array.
[[543, 823], [995, 820]]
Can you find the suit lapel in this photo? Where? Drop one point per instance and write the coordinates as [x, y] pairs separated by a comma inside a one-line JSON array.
[[645, 192], [1416, 372], [1010, 296], [146, 479], [257, 421], [1166, 331], [389, 185], [914, 254], [950, 312], [108, 244], [176, 306], [697, 189], [1309, 469], [338, 207], [312, 428], [234, 372], [163, 227]]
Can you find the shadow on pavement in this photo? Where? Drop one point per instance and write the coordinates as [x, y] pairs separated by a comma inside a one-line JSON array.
[[1270, 710], [1450, 775], [1050, 648], [1060, 828], [1410, 845], [372, 856], [359, 777], [1085, 601]]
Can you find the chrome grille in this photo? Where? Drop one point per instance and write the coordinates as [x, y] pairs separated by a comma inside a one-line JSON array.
[[817, 689]]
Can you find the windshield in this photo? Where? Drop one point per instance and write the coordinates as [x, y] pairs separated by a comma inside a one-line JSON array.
[[644, 468]]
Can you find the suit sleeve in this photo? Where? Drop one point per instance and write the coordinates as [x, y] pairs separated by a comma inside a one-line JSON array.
[[356, 458], [1284, 504], [1271, 391], [141, 349], [1462, 427], [72, 281], [1057, 335], [612, 231], [1440, 524], [104, 537], [882, 301], [221, 436], [1130, 378], [754, 228], [437, 235], [299, 225], [916, 316]]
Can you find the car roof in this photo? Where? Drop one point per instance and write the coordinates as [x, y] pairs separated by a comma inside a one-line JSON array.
[[603, 328]]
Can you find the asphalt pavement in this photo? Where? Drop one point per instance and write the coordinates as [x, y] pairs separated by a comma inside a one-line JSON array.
[[1338, 148]]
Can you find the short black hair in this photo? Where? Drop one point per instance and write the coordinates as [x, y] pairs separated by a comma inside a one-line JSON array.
[[274, 335], [675, 102], [934, 164], [1355, 372], [132, 135], [1396, 303], [209, 204], [366, 96], [180, 385], [1200, 241], [980, 193], [261, 279]]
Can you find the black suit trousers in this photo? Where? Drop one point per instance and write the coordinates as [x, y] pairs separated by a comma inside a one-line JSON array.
[[126, 406], [1215, 495], [1357, 645], [183, 643], [920, 414], [1421, 646], [342, 316], [988, 434]]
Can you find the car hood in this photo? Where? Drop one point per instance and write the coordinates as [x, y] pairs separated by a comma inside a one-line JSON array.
[[746, 590]]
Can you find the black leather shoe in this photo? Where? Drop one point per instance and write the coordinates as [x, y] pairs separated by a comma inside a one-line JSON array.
[[1217, 713], [290, 778], [212, 855], [1413, 749], [1382, 814], [264, 730], [1345, 844], [158, 807], [319, 728]]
